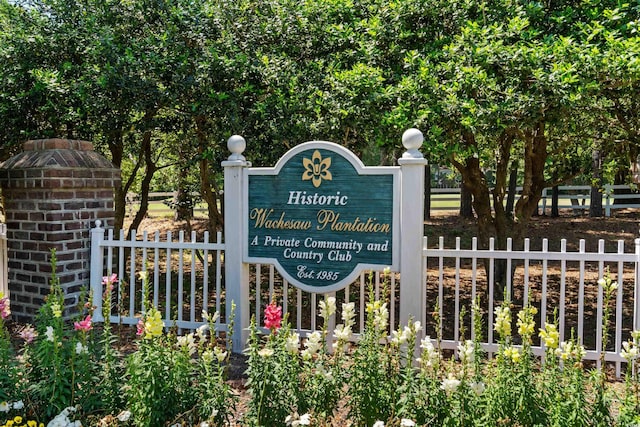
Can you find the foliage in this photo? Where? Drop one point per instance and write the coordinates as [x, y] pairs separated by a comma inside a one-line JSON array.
[[497, 87]]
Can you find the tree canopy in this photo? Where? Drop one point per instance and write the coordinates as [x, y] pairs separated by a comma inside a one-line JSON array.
[[159, 85]]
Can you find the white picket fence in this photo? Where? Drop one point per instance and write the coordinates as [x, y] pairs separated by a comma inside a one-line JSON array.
[[4, 276], [187, 276]]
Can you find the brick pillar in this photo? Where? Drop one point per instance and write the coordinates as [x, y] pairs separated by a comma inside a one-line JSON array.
[[53, 192]]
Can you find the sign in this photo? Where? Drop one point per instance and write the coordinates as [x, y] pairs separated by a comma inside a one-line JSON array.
[[322, 217]]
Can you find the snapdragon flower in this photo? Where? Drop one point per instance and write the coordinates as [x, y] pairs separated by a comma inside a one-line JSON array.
[[466, 353], [5, 306], [83, 325], [550, 336], [220, 354], [430, 356], [292, 344], [503, 321], [450, 384], [273, 316], [49, 334], [327, 308], [81, 348], [525, 322], [629, 351], [348, 313], [312, 345], [512, 353], [153, 324], [265, 352], [56, 310], [28, 334]]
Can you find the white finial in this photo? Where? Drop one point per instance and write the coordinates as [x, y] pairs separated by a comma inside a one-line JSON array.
[[412, 140], [236, 144], [98, 223]]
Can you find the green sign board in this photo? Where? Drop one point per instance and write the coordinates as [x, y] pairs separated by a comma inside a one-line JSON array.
[[322, 217]]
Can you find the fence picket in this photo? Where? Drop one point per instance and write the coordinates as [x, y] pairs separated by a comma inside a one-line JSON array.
[[526, 263]]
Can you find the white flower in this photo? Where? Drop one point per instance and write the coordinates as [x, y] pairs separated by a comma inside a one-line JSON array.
[[207, 356], [214, 413], [602, 282], [293, 343], [430, 356], [62, 419], [220, 355], [188, 341], [465, 353], [405, 422], [49, 333], [81, 348], [312, 345], [266, 352], [294, 420], [629, 351], [204, 424], [18, 405], [124, 416], [399, 337], [305, 420], [417, 326], [327, 307], [378, 424], [348, 313], [342, 332], [4, 406], [450, 384], [478, 388], [201, 332]]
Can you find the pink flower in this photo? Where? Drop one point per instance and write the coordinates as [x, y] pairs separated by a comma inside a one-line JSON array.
[[273, 316], [28, 334], [108, 282], [83, 325], [5, 310], [140, 328]]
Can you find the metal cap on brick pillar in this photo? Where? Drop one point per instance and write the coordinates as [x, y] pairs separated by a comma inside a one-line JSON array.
[[412, 287], [52, 191]]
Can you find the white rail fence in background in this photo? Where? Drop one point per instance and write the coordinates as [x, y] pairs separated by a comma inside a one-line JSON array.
[[575, 197], [187, 276], [4, 277]]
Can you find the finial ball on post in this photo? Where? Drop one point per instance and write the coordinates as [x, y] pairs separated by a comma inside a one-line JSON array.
[[236, 144], [412, 139]]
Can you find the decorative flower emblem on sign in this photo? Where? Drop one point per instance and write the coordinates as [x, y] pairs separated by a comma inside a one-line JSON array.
[[316, 169]]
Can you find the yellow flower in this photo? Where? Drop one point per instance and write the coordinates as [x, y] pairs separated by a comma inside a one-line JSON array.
[[153, 324], [56, 310], [512, 353], [550, 336], [17, 419], [525, 322], [503, 321]]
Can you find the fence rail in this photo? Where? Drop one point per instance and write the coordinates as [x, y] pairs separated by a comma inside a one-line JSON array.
[[4, 275], [563, 281], [187, 276]]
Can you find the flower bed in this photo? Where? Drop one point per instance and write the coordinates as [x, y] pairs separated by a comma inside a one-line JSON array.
[[71, 373]]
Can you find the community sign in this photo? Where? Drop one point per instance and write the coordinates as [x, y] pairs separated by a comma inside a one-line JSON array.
[[322, 217]]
